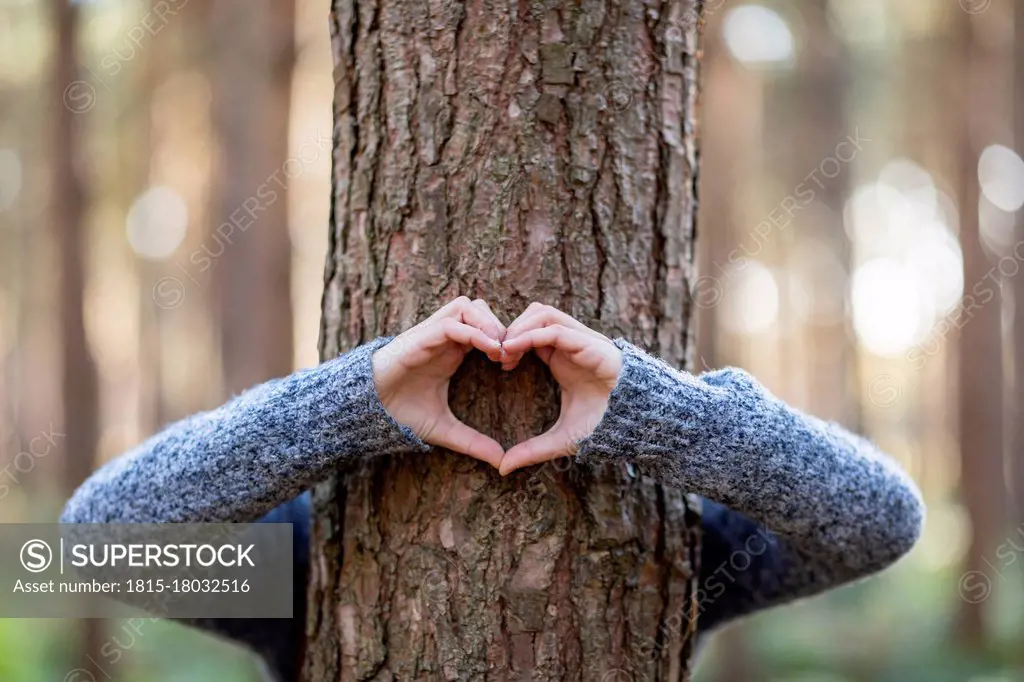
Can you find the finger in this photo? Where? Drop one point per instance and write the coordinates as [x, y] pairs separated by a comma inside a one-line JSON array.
[[469, 312], [554, 336], [451, 330], [544, 354], [538, 315], [485, 309], [446, 309], [464, 310], [483, 320], [458, 437], [468, 335], [511, 360], [518, 325], [542, 448]]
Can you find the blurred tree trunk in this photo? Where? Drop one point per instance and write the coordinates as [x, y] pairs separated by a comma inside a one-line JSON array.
[[14, 246], [806, 123], [726, 122], [824, 80], [1017, 433], [251, 247], [980, 356], [720, 130], [152, 402], [516, 153], [79, 385], [9, 281]]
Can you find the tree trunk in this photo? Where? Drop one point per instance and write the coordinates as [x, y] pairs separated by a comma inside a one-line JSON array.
[[981, 353], [726, 125], [815, 94], [1016, 416], [79, 383], [515, 152], [251, 244], [721, 140], [1017, 429]]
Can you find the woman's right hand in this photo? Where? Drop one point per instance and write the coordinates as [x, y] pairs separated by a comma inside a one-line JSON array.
[[413, 371]]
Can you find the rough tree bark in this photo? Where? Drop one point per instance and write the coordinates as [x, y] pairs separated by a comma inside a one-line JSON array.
[[518, 151]]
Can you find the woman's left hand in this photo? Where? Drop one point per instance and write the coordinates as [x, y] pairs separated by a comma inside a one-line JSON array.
[[585, 364]]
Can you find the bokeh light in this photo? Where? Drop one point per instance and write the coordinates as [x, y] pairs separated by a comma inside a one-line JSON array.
[[910, 265], [757, 35], [751, 300], [1001, 174], [886, 306], [157, 222]]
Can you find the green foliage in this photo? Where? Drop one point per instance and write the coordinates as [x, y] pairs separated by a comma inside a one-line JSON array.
[[43, 651], [897, 627]]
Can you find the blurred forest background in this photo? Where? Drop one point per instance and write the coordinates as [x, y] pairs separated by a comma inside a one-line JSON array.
[[164, 186]]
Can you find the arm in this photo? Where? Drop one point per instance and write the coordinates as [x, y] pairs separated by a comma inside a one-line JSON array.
[[802, 505], [811, 505], [238, 462], [250, 458]]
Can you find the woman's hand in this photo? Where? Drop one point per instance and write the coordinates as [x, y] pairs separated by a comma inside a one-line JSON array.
[[412, 374], [586, 365]]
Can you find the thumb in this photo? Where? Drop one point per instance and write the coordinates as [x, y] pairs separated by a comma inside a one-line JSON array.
[[458, 437], [547, 446]]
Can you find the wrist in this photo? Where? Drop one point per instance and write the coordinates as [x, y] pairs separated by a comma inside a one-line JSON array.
[[613, 371], [384, 366], [653, 409], [346, 404]]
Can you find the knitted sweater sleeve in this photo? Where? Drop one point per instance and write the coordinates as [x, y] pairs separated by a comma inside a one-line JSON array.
[[248, 461], [238, 462], [797, 505]]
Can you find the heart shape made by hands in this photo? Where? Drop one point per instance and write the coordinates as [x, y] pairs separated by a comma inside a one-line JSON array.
[[413, 374]]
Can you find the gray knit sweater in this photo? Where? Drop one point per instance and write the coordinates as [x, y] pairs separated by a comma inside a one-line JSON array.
[[813, 505]]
